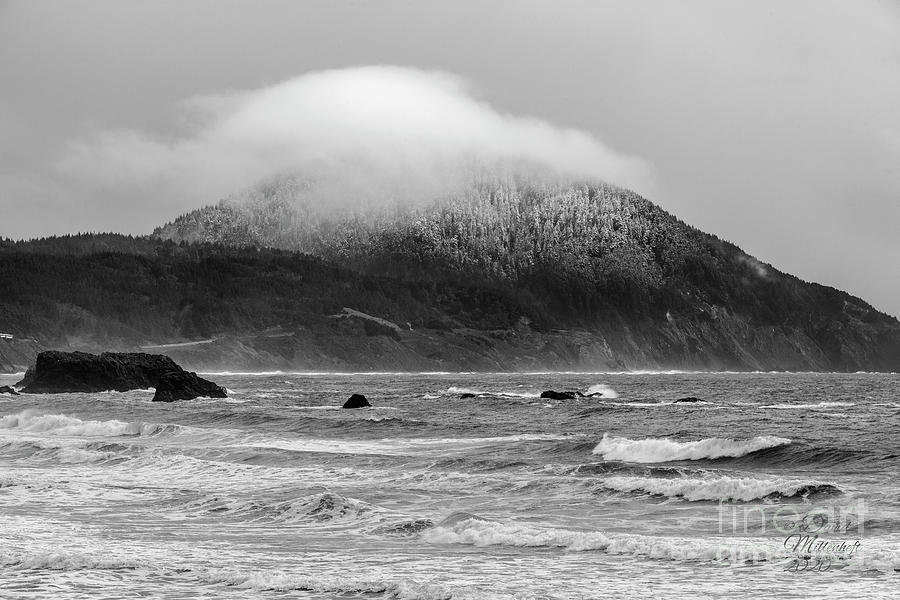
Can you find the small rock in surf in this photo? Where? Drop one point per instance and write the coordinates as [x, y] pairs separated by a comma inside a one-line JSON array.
[[689, 399], [356, 401], [554, 395], [466, 396], [5, 389]]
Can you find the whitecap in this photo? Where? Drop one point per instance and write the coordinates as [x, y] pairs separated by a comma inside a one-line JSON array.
[[717, 488], [31, 421], [807, 406], [600, 390], [478, 532], [654, 450], [454, 390]]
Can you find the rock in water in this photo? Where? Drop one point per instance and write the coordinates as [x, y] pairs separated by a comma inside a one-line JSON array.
[[5, 389], [554, 395], [57, 372], [184, 385], [60, 372], [688, 400], [466, 396], [356, 401]]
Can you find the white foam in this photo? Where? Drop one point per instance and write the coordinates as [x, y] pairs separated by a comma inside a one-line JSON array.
[[602, 391], [653, 450], [479, 532], [807, 406], [393, 446], [344, 585], [65, 561], [744, 489], [453, 390], [31, 421]]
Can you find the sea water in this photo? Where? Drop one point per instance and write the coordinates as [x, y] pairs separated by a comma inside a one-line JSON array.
[[773, 486]]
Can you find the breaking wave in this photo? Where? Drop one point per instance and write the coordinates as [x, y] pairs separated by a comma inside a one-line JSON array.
[[808, 406], [655, 450], [65, 561], [480, 532], [744, 489], [58, 424], [601, 391], [454, 390]]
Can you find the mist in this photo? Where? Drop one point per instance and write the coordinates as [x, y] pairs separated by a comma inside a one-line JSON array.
[[374, 127]]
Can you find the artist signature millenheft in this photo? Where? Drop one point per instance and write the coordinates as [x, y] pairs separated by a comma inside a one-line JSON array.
[[814, 554]]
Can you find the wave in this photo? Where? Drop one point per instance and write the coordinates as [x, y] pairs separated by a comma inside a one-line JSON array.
[[807, 406], [345, 586], [65, 561], [792, 455], [481, 532], [744, 489], [454, 390], [393, 446], [600, 390], [320, 508], [31, 421], [404, 528], [655, 450]]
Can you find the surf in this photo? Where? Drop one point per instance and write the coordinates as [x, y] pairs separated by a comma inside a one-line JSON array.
[[657, 450]]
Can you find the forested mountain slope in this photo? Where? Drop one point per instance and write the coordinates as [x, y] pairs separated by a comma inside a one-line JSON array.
[[502, 273], [590, 257]]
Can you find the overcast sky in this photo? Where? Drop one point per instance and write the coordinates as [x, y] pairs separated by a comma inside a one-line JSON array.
[[772, 124]]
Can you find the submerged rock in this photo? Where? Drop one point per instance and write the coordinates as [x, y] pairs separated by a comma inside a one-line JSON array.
[[466, 396], [356, 401], [185, 385], [5, 389], [56, 372], [688, 400], [554, 395]]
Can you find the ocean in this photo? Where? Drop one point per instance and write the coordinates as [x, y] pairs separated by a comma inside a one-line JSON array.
[[774, 485]]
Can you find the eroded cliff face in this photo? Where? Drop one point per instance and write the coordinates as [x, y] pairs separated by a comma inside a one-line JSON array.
[[723, 343], [728, 343]]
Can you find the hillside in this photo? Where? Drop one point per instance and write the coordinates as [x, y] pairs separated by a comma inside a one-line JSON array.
[[502, 273], [587, 257]]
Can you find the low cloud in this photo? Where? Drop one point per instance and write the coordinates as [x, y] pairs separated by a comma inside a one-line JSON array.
[[399, 120]]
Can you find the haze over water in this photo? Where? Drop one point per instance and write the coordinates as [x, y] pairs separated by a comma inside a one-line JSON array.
[[277, 493]]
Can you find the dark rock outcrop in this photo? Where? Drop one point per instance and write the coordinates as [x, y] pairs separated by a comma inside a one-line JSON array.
[[57, 372], [466, 396], [554, 395], [5, 389], [688, 400], [60, 372], [356, 401], [184, 385]]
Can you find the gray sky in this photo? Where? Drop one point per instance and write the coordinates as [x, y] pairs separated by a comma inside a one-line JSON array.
[[772, 124]]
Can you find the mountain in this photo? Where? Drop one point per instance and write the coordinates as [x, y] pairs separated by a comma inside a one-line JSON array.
[[499, 271], [643, 288]]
